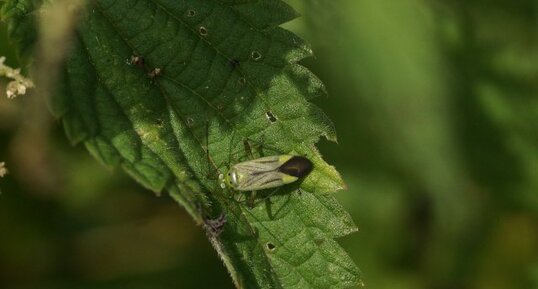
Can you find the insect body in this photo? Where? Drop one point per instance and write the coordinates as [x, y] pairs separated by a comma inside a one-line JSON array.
[[215, 226], [265, 173]]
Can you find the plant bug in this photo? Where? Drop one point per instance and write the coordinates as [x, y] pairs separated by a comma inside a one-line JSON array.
[[266, 173], [215, 226]]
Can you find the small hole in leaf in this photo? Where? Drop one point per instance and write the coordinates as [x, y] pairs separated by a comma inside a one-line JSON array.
[[190, 121], [271, 117], [256, 55], [270, 246], [202, 30], [191, 13]]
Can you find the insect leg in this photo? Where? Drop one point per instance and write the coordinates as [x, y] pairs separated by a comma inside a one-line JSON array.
[[248, 149], [268, 197], [261, 146], [252, 199]]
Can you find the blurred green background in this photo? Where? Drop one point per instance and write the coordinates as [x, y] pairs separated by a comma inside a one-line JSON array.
[[436, 107]]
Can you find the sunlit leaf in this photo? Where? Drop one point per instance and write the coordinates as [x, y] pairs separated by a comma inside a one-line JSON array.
[[173, 91]]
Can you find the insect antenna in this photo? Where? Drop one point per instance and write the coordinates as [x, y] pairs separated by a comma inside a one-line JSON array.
[[209, 167], [212, 168], [230, 148]]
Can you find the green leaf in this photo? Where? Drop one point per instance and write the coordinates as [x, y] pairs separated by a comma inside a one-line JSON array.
[[22, 24], [228, 77]]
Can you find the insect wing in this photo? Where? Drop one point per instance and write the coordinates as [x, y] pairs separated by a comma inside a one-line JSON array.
[[296, 166], [261, 181], [260, 165], [259, 174]]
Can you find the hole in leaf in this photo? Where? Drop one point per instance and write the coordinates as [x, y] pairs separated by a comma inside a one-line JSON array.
[[271, 117], [270, 246], [256, 55], [190, 121], [191, 13], [202, 30]]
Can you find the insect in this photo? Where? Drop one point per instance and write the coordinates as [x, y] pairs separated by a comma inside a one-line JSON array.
[[266, 172], [215, 226]]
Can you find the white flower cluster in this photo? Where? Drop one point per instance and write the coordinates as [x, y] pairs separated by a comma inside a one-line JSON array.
[[19, 83], [3, 169]]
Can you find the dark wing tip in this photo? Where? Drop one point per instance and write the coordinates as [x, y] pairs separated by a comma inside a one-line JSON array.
[[297, 166]]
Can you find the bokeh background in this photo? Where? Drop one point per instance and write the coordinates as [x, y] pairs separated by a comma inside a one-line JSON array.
[[436, 108]]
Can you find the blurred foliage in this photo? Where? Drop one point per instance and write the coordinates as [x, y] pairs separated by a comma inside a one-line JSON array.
[[436, 107]]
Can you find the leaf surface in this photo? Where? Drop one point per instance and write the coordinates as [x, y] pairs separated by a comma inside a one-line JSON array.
[[22, 24], [228, 89]]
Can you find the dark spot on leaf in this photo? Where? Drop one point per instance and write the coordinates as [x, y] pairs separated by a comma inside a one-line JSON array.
[[234, 63], [215, 226], [271, 117], [319, 241]]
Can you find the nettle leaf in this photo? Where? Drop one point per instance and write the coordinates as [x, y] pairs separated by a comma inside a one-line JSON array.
[[22, 24], [219, 83]]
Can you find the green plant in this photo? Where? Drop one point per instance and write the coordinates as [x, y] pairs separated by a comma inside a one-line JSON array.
[[170, 90]]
